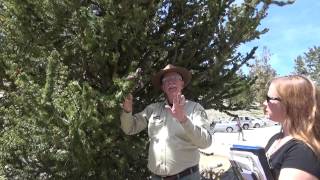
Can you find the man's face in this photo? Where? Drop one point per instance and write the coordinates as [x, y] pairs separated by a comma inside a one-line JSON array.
[[172, 84]]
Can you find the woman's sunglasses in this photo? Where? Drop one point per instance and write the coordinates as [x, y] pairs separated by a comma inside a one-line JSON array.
[[272, 98]]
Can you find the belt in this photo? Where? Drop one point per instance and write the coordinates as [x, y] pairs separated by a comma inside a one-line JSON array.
[[181, 174]]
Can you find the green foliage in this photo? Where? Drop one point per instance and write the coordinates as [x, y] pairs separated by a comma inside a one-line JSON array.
[[309, 64], [66, 66], [69, 137], [242, 98], [63, 88]]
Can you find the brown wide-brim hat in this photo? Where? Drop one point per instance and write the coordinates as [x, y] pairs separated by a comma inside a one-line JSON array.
[[186, 75]]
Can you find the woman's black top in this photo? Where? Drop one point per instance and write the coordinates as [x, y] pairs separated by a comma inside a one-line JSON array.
[[293, 154]]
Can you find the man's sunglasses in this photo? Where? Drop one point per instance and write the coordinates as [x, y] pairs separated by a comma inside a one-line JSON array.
[[272, 98]]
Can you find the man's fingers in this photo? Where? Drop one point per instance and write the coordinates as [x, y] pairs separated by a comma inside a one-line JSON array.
[[175, 100], [169, 108], [128, 100], [182, 100], [127, 103], [129, 97]]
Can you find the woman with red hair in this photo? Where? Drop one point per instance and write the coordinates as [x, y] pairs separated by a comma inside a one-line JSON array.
[[294, 153]]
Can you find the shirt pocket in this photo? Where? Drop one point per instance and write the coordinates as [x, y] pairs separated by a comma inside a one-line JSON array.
[[155, 124]]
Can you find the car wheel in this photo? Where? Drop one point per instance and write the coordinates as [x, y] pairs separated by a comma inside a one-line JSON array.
[[257, 125], [229, 129], [245, 126]]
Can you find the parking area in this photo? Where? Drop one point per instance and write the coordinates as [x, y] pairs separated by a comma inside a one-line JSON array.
[[223, 140]]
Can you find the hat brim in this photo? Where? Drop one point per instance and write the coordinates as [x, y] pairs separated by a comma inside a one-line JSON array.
[[186, 76]]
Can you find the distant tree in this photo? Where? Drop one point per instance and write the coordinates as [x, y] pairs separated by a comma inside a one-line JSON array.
[[300, 66], [263, 72], [309, 64], [66, 66]]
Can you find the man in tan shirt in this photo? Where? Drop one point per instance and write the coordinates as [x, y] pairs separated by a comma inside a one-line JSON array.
[[177, 127]]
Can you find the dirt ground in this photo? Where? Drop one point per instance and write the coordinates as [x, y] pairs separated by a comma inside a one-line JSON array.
[[216, 162]]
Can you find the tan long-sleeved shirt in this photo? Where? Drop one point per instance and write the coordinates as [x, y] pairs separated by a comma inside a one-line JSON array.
[[173, 145]]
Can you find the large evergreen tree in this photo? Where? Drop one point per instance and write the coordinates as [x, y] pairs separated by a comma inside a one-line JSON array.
[[309, 64], [67, 64]]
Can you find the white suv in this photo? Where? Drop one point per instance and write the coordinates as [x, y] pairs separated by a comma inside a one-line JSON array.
[[258, 122], [245, 121]]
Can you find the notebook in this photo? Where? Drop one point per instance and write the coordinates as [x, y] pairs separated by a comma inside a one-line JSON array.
[[250, 163]]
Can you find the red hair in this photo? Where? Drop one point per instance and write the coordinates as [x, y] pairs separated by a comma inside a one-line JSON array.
[[301, 98]]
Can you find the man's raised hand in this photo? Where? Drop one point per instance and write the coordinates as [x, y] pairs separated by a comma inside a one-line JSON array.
[[177, 109], [127, 103]]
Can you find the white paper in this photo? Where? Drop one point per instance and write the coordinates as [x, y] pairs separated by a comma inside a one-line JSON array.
[[249, 164]]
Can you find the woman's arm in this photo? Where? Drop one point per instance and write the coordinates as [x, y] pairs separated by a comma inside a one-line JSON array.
[[295, 174]]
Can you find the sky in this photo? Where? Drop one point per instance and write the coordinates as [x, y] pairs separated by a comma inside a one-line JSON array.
[[293, 30]]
